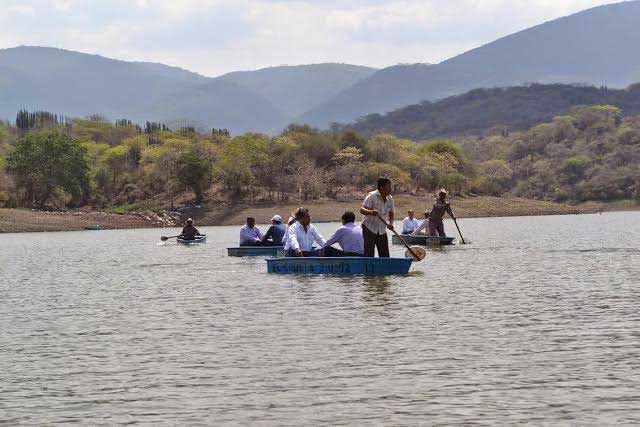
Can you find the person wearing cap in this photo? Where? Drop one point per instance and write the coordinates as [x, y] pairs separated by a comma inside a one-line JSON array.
[[250, 235], [410, 223], [349, 237], [275, 234], [189, 232], [377, 204], [440, 207]]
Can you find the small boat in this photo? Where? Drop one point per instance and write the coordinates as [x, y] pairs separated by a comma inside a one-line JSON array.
[[423, 240], [270, 251], [93, 227], [197, 240], [339, 265]]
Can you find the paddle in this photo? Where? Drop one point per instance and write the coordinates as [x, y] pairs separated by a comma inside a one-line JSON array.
[[417, 252], [165, 238], [456, 223]]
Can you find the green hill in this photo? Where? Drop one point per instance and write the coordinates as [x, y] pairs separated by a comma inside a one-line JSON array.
[[476, 111]]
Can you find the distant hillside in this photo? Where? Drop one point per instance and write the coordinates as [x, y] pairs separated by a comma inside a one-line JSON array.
[[296, 89], [78, 84], [516, 108], [596, 46]]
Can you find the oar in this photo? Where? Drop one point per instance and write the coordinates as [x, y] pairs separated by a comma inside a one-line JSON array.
[[416, 251], [456, 223], [165, 238]]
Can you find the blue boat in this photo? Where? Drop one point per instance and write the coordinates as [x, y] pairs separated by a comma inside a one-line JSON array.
[[242, 251], [196, 241], [339, 265]]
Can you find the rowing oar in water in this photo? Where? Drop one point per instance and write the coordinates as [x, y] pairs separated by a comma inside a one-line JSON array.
[[165, 238], [456, 223], [417, 252]]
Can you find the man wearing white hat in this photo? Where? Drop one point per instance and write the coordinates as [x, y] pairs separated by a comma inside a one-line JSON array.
[[275, 233], [440, 207]]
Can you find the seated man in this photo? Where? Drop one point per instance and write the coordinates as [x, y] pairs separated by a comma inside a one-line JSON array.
[[349, 237], [423, 225], [250, 235], [275, 233], [410, 223], [189, 232], [302, 235]]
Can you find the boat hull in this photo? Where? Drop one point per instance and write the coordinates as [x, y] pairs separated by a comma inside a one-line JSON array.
[[423, 240], [339, 265], [198, 240], [248, 251]]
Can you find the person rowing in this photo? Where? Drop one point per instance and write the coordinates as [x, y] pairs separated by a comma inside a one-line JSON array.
[[189, 232], [302, 235], [275, 234], [377, 205], [440, 207], [250, 235], [410, 223], [349, 237]]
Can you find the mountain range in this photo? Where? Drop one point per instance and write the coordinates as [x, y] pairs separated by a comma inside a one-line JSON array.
[[596, 46]]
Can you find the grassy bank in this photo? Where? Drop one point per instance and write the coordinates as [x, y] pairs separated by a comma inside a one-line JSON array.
[[24, 220]]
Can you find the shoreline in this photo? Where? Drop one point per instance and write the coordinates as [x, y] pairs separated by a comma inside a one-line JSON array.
[[27, 220]]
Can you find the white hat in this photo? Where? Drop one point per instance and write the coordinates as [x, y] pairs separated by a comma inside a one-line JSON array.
[[276, 218]]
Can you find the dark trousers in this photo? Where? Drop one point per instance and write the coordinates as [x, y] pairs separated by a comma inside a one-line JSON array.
[[292, 253], [330, 251], [372, 241], [436, 228]]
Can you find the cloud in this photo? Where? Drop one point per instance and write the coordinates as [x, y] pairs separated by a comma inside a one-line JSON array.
[[216, 36]]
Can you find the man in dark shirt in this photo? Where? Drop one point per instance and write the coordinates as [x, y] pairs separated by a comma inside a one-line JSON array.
[[440, 207], [189, 232], [275, 233]]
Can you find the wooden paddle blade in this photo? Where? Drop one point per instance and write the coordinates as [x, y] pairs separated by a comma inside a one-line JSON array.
[[419, 252], [164, 238]]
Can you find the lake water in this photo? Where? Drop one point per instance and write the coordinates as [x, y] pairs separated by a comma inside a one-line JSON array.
[[537, 321]]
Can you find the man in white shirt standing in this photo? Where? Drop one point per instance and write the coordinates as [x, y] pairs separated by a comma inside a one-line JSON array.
[[374, 231], [250, 235], [410, 223], [302, 235]]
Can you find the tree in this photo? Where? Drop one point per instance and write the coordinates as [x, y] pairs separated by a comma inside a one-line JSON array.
[[194, 171], [45, 162]]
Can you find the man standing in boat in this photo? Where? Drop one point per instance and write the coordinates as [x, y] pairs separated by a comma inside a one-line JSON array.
[[440, 207], [378, 203]]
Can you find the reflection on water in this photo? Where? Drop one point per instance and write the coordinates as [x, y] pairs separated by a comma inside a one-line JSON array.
[[536, 322]]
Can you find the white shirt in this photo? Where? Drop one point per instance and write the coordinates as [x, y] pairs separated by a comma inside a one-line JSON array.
[[374, 201], [249, 236], [298, 238], [422, 226], [349, 237], [409, 225]]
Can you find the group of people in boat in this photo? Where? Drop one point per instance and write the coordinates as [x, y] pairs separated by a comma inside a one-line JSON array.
[[433, 219], [301, 238]]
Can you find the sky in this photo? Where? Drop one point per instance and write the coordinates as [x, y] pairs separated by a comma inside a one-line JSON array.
[[213, 37]]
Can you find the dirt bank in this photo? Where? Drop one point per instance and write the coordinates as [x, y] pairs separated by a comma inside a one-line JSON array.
[[22, 220]]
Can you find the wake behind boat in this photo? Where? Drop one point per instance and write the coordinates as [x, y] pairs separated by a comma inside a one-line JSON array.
[[339, 265], [423, 240], [195, 241], [250, 251]]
